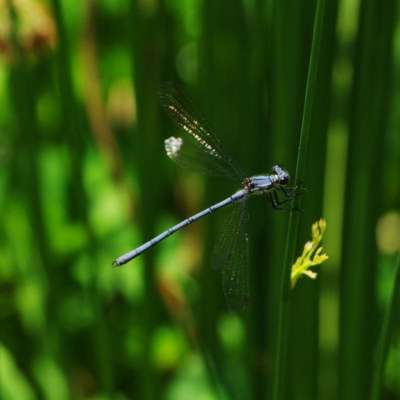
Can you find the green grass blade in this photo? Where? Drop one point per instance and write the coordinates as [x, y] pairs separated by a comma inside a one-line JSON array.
[[294, 217], [390, 318]]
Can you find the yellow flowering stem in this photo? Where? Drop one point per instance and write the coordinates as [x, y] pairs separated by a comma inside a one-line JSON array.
[[311, 254]]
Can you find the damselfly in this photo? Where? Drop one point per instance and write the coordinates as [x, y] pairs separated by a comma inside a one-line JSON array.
[[200, 150]]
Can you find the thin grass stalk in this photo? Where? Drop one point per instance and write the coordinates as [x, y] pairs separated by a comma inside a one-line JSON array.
[[74, 135], [370, 105], [23, 102], [303, 348], [391, 316], [283, 315], [147, 46]]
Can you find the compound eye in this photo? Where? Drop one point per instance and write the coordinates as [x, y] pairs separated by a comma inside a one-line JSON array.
[[284, 180]]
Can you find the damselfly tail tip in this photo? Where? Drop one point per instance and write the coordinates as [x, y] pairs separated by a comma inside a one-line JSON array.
[[115, 264]]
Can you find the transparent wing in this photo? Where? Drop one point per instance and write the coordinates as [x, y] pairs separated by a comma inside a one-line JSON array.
[[200, 150], [184, 153], [231, 253]]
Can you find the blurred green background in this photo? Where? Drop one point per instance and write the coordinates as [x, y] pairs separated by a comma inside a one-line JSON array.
[[84, 179]]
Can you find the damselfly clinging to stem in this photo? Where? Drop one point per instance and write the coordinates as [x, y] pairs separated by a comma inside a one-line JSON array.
[[200, 150]]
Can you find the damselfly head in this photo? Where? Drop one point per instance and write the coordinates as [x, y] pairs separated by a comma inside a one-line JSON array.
[[282, 177]]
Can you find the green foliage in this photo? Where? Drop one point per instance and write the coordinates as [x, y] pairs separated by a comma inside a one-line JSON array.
[[84, 178]]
